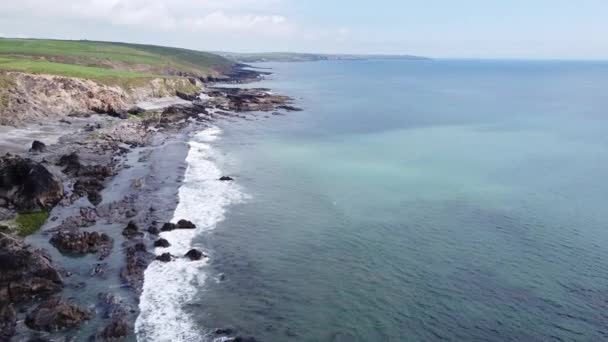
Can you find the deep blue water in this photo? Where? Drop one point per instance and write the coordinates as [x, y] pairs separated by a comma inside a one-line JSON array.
[[418, 201]]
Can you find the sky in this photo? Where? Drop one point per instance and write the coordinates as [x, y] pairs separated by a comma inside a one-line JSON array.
[[539, 29]]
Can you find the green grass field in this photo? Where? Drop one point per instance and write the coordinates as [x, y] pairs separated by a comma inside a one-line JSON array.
[[103, 60]]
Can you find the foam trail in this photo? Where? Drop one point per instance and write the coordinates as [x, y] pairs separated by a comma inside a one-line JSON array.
[[169, 286]]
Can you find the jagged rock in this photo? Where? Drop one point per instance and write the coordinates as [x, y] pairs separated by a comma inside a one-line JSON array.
[[162, 243], [38, 146], [78, 242], [195, 255], [28, 185], [8, 322], [165, 257], [25, 273], [56, 314], [131, 231], [226, 179], [167, 227], [185, 224]]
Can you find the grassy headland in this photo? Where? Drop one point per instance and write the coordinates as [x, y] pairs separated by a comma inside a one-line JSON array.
[[105, 61]]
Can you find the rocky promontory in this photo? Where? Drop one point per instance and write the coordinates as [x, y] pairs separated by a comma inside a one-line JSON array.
[[108, 186]]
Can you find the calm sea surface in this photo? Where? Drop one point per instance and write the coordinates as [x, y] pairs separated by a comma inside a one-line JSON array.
[[416, 201]]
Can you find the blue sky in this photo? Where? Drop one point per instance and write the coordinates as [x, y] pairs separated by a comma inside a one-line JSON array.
[[439, 28]]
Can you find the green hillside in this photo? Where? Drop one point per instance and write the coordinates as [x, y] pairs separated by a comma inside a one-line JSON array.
[[105, 61]]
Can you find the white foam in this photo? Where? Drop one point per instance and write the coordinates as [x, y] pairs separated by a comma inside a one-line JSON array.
[[169, 286]]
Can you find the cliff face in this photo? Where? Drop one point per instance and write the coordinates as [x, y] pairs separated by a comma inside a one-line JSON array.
[[29, 98]]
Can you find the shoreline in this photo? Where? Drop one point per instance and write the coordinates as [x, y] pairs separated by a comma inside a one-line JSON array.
[[126, 204]]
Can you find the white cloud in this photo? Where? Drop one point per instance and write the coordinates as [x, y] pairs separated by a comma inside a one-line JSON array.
[[247, 16]]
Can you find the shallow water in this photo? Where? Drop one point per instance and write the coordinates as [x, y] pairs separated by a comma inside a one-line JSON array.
[[418, 201]]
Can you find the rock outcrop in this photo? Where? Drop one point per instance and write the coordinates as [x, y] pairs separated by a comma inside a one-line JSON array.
[[56, 314], [27, 185], [25, 273], [79, 242]]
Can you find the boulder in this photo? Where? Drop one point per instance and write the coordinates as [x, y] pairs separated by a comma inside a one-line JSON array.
[[226, 179], [25, 273], [165, 257], [167, 227], [195, 255], [70, 162], [185, 224], [131, 231], [28, 185], [56, 314], [153, 230], [79, 242], [38, 146], [162, 243]]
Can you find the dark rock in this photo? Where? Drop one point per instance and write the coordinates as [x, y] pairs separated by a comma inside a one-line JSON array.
[[162, 243], [226, 179], [153, 230], [225, 331], [185, 224], [165, 257], [167, 227], [184, 96], [28, 185], [131, 231], [117, 329], [70, 162], [290, 108], [136, 111], [195, 255], [38, 146], [244, 339], [25, 273], [79, 242], [100, 270], [56, 314], [8, 322], [137, 262], [140, 247]]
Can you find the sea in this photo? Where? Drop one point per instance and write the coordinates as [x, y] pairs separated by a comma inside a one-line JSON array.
[[428, 200]]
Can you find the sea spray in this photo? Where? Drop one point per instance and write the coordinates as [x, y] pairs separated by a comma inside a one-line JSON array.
[[168, 287]]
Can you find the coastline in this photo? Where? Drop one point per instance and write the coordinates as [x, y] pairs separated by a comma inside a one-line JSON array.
[[147, 162]]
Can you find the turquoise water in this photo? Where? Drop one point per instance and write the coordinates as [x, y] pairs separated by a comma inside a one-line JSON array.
[[417, 201]]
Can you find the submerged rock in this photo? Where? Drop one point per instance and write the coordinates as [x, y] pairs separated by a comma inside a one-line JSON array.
[[117, 329], [38, 146], [25, 273], [153, 230], [56, 314], [28, 185], [78, 242], [195, 255]]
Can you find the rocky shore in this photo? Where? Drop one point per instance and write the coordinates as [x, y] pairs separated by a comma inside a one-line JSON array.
[[108, 187]]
